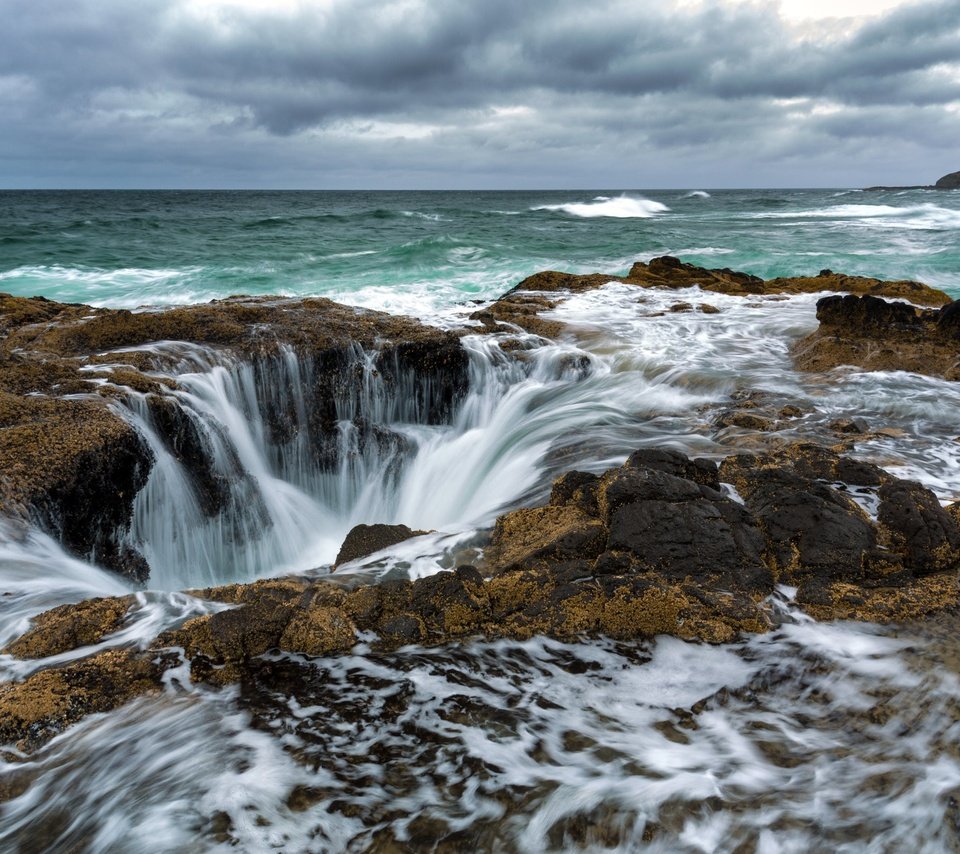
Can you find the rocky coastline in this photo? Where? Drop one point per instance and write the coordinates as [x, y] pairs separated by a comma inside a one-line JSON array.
[[950, 181], [661, 544]]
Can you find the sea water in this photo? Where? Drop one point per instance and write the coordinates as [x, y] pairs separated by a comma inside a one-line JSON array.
[[814, 737]]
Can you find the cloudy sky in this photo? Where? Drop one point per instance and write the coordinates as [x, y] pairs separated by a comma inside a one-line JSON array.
[[478, 93]]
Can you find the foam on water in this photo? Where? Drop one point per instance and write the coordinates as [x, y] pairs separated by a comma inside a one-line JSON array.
[[924, 216], [621, 207], [813, 737]]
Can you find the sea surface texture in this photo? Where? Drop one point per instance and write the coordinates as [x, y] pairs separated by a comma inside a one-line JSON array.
[[424, 253], [814, 737]]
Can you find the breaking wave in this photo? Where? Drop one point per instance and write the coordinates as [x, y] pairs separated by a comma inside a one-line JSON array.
[[619, 207], [928, 215]]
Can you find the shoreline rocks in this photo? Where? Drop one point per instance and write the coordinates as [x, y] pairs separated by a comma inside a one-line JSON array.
[[72, 464], [657, 545], [877, 335], [947, 182], [523, 304]]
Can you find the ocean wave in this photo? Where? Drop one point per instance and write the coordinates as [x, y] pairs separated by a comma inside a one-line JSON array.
[[430, 217], [704, 250], [620, 207], [93, 276], [927, 215], [356, 254], [697, 194]]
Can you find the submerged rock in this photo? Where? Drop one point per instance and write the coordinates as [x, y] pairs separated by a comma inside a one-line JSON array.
[[877, 335], [363, 540]]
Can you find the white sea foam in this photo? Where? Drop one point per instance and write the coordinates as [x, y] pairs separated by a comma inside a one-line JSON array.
[[812, 737], [621, 207], [924, 216], [430, 217], [697, 194]]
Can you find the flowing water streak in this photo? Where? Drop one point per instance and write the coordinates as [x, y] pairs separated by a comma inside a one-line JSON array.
[[815, 737]]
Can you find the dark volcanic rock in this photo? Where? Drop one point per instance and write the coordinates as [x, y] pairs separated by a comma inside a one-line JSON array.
[[918, 528], [874, 334], [363, 540], [811, 529], [73, 467], [660, 514], [650, 547]]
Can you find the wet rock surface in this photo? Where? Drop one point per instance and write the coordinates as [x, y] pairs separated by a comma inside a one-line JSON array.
[[44, 704], [70, 627], [658, 545], [523, 305], [877, 335], [73, 465], [363, 540]]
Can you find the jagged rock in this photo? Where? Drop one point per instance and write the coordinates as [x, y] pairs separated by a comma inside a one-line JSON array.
[[534, 537], [659, 514], [73, 467], [818, 537], [363, 540], [523, 305], [918, 528], [649, 547], [811, 529], [704, 472], [877, 335]]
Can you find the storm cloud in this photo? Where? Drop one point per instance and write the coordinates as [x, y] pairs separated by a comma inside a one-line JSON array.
[[455, 93]]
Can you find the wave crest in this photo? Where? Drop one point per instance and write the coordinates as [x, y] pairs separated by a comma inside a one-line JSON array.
[[620, 207]]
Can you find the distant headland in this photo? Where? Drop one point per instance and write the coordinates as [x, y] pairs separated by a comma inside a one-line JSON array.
[[947, 182]]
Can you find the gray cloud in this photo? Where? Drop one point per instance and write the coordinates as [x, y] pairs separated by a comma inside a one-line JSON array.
[[458, 93]]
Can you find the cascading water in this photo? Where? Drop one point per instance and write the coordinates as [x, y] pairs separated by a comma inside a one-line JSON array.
[[295, 459]]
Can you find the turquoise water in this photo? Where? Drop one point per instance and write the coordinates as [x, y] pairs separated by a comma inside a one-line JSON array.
[[425, 252]]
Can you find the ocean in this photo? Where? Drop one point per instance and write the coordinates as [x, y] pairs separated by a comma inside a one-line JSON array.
[[815, 736], [425, 253]]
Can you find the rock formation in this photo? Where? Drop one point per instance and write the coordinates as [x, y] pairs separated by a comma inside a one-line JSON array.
[[522, 305], [877, 335], [74, 465], [949, 182], [655, 546], [363, 540]]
